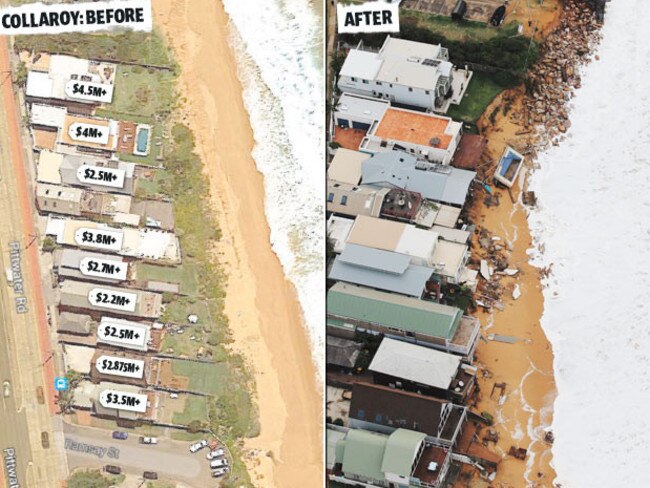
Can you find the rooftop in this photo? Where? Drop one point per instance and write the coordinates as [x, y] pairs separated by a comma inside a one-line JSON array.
[[348, 138], [415, 363], [392, 310], [346, 166], [361, 64], [353, 200], [342, 352], [417, 128], [397, 169], [379, 269]]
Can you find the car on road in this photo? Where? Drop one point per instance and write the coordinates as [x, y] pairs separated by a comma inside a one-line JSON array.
[[217, 473], [215, 454], [45, 440], [148, 440], [197, 446], [112, 469], [150, 475], [6, 389], [219, 463], [118, 434], [173, 396]]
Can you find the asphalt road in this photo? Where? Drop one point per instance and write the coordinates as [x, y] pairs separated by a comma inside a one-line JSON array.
[[171, 459], [13, 426]]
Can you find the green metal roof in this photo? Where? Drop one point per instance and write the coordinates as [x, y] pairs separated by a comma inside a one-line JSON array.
[[363, 454], [401, 449], [390, 310]]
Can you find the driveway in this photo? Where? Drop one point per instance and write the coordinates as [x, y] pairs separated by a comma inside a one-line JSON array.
[[88, 447]]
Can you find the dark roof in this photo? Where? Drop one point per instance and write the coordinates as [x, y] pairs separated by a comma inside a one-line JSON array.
[[469, 151], [342, 352], [396, 408]]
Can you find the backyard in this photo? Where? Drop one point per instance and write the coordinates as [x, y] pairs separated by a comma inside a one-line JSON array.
[[482, 89]]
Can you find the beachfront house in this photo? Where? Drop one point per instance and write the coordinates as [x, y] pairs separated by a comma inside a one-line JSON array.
[[371, 126], [406, 72], [425, 371], [383, 270], [424, 247], [353, 200], [354, 309], [383, 409], [402, 459]]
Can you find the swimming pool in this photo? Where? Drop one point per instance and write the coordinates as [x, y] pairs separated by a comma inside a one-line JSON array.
[[142, 140]]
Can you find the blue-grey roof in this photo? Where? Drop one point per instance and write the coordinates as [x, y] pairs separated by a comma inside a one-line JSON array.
[[397, 169], [377, 259], [383, 270]]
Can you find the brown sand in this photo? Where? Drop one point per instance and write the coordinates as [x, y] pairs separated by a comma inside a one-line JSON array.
[[264, 314], [527, 365]]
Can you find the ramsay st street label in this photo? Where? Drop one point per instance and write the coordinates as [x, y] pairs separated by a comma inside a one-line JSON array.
[[104, 268], [129, 368], [96, 175], [128, 335], [368, 17], [99, 238], [115, 300], [122, 400], [38, 18], [87, 90]]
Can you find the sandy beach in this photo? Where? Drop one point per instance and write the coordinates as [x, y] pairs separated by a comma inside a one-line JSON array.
[[265, 316], [526, 367]]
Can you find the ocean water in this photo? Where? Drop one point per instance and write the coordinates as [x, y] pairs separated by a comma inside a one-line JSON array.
[[593, 224], [278, 47]]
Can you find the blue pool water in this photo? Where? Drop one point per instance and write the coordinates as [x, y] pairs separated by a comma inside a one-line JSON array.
[[142, 140]]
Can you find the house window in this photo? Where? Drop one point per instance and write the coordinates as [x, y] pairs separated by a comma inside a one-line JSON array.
[[378, 418], [365, 82], [391, 85], [383, 144], [330, 198], [353, 78], [361, 414], [344, 200], [427, 92], [410, 89], [378, 83]]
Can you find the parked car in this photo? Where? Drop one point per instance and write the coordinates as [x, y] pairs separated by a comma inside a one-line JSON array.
[[215, 454], [118, 434], [219, 472], [150, 475], [109, 468], [197, 446], [6, 389], [148, 440], [173, 395], [45, 440], [219, 463]]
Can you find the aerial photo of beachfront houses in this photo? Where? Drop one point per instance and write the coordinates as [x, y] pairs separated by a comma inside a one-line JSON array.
[[136, 346], [438, 372]]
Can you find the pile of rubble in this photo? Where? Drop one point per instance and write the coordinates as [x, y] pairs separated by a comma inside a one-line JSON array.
[[555, 76]]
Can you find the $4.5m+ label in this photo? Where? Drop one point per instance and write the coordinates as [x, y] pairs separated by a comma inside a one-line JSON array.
[[87, 90]]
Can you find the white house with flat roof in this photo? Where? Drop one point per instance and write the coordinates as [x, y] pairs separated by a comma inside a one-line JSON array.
[[405, 72], [428, 136]]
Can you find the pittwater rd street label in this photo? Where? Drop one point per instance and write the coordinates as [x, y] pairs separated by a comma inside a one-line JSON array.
[[129, 335], [368, 17], [87, 90], [97, 134], [129, 368], [16, 274], [104, 268], [99, 238], [96, 175], [37, 18], [122, 400], [9, 455], [115, 300]]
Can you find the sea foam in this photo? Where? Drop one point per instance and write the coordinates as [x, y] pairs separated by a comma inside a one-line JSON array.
[[593, 225], [277, 44]]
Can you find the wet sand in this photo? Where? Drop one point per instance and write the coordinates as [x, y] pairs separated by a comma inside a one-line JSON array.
[[264, 313], [526, 367]]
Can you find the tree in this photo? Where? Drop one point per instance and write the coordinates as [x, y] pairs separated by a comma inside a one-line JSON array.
[[88, 479], [49, 244]]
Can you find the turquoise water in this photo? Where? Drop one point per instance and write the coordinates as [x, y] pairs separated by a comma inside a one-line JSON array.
[[143, 140]]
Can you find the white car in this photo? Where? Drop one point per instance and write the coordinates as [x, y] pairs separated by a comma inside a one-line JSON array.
[[219, 463], [149, 440], [173, 395], [215, 454], [198, 446], [6, 389], [219, 472]]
